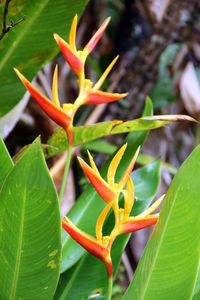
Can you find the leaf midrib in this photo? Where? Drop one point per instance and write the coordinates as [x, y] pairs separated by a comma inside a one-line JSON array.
[[144, 288], [18, 257], [23, 33]]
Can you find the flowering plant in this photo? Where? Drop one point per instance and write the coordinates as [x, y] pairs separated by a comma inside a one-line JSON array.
[[37, 210]]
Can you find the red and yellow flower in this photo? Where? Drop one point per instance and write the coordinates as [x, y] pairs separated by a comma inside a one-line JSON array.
[[89, 94], [110, 192]]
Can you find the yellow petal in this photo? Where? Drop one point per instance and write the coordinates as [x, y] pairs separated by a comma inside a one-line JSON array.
[[92, 163], [55, 88], [151, 209], [105, 74], [114, 164], [72, 34], [128, 197], [100, 221], [128, 170]]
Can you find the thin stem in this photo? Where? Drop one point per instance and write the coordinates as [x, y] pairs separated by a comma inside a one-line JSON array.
[[110, 284], [64, 180], [6, 28]]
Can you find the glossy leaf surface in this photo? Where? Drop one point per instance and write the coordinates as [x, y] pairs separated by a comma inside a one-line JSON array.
[[170, 261], [84, 134], [90, 272], [6, 163], [30, 230], [89, 205], [30, 45]]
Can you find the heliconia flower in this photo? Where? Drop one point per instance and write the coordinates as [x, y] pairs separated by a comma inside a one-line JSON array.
[[142, 220], [52, 109], [76, 59], [91, 244]]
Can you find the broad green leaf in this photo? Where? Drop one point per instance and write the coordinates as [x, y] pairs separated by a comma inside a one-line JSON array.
[[170, 261], [30, 45], [6, 162], [90, 272], [30, 230], [89, 205], [85, 134], [196, 291]]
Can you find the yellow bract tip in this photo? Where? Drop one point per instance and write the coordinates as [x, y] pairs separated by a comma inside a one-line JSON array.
[[114, 164], [105, 74], [55, 87], [72, 34]]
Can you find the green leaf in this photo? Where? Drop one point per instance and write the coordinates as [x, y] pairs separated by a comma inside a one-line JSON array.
[[6, 162], [89, 205], [90, 272], [170, 261], [196, 291], [84, 134], [167, 58], [30, 230], [30, 45]]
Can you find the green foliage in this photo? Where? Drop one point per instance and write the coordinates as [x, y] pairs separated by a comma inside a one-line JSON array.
[[170, 261], [30, 45], [30, 227], [89, 271], [162, 93], [6, 163]]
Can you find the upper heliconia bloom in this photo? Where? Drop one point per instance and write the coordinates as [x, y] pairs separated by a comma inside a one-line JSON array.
[[110, 192], [89, 94]]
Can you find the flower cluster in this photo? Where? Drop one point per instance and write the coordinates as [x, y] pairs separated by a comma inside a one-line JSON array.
[[89, 93], [110, 192]]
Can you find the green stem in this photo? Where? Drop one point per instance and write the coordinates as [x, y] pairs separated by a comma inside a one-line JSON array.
[[64, 180], [110, 284]]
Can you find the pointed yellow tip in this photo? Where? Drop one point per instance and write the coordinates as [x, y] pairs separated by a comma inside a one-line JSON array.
[[107, 20], [56, 36], [21, 77], [124, 95]]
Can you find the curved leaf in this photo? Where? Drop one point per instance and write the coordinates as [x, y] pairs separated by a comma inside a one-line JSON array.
[[30, 45], [89, 205], [90, 272], [170, 261], [6, 162], [84, 134], [30, 230]]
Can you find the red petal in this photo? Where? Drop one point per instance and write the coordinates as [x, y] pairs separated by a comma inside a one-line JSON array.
[[70, 56], [96, 37], [101, 186], [134, 225], [89, 243], [99, 97], [55, 113]]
